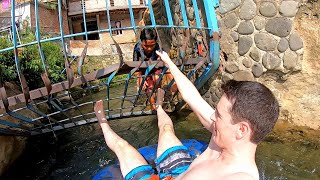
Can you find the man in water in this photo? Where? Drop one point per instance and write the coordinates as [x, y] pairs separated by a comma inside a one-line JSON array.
[[147, 49], [245, 114]]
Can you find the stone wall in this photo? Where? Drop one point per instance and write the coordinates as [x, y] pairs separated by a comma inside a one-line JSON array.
[[275, 43], [258, 37]]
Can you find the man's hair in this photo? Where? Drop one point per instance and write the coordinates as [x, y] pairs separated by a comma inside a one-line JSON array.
[[148, 34], [254, 103]]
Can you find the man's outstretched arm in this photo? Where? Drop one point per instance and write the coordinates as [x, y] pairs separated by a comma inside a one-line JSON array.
[[189, 93]]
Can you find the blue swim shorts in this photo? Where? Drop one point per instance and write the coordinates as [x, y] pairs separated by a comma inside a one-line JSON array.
[[171, 163]]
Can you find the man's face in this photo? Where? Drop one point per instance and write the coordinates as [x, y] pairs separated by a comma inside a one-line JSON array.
[[148, 46], [223, 129]]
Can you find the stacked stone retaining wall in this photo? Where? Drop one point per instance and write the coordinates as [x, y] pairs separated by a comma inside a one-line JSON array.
[[257, 38]]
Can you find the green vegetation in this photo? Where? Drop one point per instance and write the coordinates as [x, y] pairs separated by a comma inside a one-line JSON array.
[[30, 61]]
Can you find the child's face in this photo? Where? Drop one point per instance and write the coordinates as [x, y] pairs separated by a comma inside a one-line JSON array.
[[148, 46]]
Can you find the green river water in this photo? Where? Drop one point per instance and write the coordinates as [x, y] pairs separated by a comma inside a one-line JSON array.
[[79, 153]]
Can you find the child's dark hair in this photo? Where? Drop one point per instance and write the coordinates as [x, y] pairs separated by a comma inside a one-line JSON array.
[[148, 34]]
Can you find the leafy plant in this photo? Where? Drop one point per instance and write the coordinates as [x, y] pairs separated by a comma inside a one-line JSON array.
[[7, 65], [31, 62]]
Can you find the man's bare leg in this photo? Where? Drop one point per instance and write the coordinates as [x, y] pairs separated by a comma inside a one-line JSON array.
[[167, 138], [128, 156]]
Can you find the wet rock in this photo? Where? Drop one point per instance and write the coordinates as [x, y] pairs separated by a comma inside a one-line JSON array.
[[243, 76], [219, 23], [180, 38], [248, 10], [213, 90], [219, 92], [290, 60], [289, 8], [226, 77], [265, 41], [177, 9], [245, 28], [279, 26], [214, 98], [190, 13], [228, 5], [295, 42], [247, 62], [188, 2], [230, 20], [207, 95], [235, 36], [268, 9], [283, 45], [259, 22], [257, 70], [255, 54], [232, 67], [271, 61], [176, 18], [244, 44]]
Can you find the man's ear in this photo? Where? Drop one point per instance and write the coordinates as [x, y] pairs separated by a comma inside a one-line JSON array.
[[243, 130]]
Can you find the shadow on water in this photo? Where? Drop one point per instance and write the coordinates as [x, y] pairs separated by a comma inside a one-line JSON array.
[[79, 153]]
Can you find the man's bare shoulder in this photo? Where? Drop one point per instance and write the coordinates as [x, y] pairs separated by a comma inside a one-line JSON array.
[[240, 176], [216, 175], [212, 168]]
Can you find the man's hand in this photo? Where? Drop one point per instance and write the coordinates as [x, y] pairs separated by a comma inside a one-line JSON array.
[[189, 92], [163, 56]]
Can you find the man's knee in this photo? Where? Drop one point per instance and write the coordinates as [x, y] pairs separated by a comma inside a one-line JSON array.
[[122, 144], [167, 128]]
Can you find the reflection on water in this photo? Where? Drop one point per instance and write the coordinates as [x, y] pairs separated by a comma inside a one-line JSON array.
[[290, 153], [80, 152]]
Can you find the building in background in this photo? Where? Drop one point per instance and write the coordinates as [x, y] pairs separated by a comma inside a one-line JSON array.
[[25, 16], [96, 19], [99, 43]]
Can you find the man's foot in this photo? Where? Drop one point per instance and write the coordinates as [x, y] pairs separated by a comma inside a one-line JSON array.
[[160, 98], [99, 111]]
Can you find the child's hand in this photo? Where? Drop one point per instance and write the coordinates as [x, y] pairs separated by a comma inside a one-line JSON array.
[[164, 56]]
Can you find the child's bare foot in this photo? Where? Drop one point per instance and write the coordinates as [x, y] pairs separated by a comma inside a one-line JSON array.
[[160, 98], [99, 111]]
